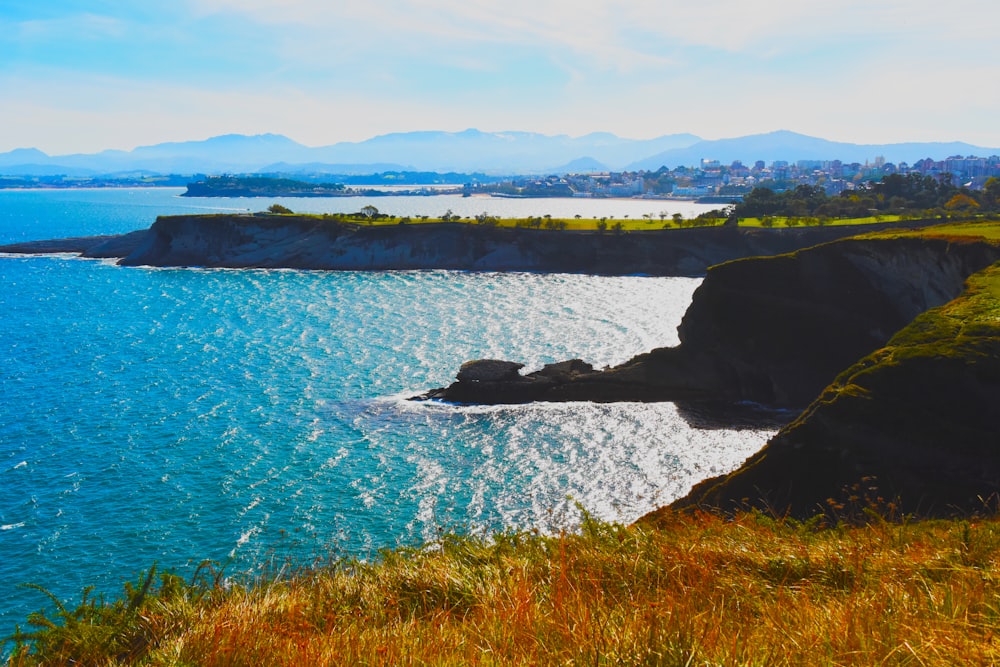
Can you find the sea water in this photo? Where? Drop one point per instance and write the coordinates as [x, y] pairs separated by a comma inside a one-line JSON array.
[[250, 417]]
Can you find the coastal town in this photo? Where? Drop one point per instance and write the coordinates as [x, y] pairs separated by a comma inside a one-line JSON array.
[[713, 181]]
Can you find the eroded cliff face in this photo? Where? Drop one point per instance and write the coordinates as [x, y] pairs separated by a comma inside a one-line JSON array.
[[773, 330], [778, 330], [311, 242], [914, 423]]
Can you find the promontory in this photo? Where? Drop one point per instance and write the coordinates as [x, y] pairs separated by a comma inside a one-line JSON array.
[[330, 243]]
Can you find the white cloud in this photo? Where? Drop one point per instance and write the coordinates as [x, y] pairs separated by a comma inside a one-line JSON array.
[[430, 27]]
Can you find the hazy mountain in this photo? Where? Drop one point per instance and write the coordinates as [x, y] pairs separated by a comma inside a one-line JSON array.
[[226, 153], [790, 146], [45, 169], [583, 165], [499, 152], [313, 168], [471, 150], [468, 151], [31, 161], [23, 156]]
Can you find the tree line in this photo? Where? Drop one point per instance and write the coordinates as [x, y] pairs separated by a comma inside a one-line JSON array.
[[894, 194]]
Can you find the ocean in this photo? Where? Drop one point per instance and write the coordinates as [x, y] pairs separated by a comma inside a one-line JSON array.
[[260, 417]]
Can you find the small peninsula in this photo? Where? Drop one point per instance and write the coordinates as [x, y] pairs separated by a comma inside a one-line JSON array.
[[772, 330], [274, 186]]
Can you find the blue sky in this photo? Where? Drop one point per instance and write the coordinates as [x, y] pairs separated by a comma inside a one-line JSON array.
[[84, 76]]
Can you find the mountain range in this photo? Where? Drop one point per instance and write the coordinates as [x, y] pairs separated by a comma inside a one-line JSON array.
[[468, 151]]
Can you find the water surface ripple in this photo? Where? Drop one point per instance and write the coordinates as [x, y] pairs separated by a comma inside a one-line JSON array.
[[175, 415]]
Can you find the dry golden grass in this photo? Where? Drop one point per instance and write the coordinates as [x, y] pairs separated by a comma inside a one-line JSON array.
[[694, 590]]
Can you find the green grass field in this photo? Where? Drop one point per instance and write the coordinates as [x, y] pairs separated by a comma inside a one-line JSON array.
[[612, 224]]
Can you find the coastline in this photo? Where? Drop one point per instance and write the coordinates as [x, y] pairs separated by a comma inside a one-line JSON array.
[[242, 240]]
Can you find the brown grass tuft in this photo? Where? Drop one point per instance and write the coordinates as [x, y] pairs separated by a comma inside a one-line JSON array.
[[697, 590]]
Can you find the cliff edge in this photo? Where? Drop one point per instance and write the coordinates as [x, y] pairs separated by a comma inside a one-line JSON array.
[[318, 242], [914, 423]]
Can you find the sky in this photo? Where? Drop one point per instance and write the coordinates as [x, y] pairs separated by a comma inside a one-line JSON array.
[[83, 76]]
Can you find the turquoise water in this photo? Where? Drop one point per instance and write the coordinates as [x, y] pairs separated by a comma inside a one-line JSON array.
[[249, 417]]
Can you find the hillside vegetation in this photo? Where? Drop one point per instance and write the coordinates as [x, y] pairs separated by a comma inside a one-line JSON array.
[[694, 590]]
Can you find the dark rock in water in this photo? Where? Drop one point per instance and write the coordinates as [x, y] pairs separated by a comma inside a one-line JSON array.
[[496, 382], [564, 370], [112, 246], [489, 370]]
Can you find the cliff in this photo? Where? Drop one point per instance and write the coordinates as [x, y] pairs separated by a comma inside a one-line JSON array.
[[319, 242], [315, 242], [95, 247], [912, 426], [913, 423], [773, 330]]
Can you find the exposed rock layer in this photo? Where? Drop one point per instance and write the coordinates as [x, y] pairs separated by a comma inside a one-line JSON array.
[[914, 423], [310, 242], [97, 247]]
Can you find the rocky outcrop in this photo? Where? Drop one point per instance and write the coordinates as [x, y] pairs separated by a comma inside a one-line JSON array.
[[96, 247], [490, 381], [772, 330], [914, 424], [489, 370]]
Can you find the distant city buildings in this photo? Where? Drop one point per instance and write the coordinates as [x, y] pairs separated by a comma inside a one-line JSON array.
[[711, 178]]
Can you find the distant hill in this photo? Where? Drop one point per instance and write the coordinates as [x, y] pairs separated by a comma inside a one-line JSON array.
[[583, 165], [790, 146], [498, 152], [319, 168], [467, 151], [471, 150]]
